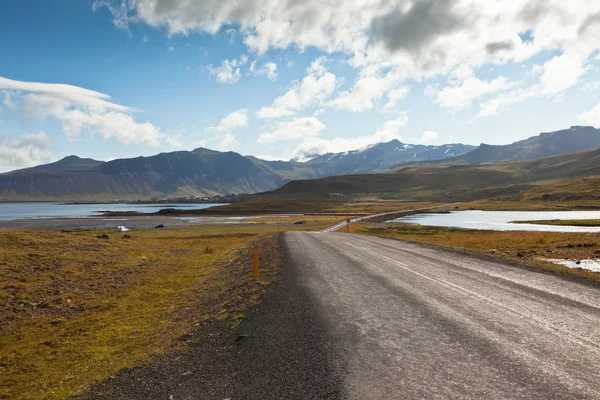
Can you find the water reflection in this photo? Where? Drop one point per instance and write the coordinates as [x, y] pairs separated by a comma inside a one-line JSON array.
[[501, 220]]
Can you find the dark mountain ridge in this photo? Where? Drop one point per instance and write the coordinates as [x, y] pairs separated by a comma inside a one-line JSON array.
[[201, 172], [546, 144], [383, 156], [70, 163], [204, 172]]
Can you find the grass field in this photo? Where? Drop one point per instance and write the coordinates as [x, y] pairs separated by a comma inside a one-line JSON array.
[[526, 247], [338, 207], [76, 309], [530, 205], [563, 222]]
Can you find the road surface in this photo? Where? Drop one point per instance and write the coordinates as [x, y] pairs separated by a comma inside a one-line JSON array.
[[413, 322], [390, 214], [360, 317]]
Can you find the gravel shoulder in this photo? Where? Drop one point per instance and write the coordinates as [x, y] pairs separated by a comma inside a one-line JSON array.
[[281, 350]]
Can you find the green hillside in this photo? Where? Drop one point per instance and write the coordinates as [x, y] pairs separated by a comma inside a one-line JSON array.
[[454, 182]]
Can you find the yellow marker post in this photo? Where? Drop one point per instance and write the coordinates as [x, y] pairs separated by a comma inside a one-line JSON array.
[[255, 263], [348, 225]]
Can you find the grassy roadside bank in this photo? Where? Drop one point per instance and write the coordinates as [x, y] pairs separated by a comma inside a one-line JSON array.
[[530, 248], [76, 309], [563, 222]]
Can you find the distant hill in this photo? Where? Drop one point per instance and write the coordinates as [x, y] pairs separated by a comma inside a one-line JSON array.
[[201, 172], [204, 172], [451, 182], [580, 190], [547, 144], [383, 156], [70, 163]]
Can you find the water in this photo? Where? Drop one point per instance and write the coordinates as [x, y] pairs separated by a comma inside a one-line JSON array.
[[500, 220], [591, 265], [18, 211]]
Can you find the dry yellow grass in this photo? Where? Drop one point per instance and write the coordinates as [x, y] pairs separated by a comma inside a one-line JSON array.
[[75, 309], [533, 246], [563, 222], [266, 204]]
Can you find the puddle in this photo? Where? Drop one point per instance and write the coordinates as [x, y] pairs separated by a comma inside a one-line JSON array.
[[590, 265]]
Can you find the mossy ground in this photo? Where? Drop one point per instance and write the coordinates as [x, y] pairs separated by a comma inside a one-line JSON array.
[[76, 309]]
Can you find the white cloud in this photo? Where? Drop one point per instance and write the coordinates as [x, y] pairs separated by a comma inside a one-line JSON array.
[[410, 39], [269, 69], [229, 70], [119, 9], [429, 137], [235, 120], [562, 72], [68, 93], [228, 141], [79, 110], [367, 90], [592, 117], [222, 134], [390, 130], [556, 76], [7, 102], [110, 125], [297, 128], [461, 96], [505, 100], [271, 112], [174, 141], [316, 87], [32, 149], [395, 96], [591, 87], [269, 158]]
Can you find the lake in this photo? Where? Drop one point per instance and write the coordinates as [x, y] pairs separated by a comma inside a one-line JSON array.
[[17, 211], [500, 220]]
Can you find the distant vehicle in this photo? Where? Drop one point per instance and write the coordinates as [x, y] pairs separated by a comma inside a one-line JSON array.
[[121, 229], [299, 222], [159, 226]]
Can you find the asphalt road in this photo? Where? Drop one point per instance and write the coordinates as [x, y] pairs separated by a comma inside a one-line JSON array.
[[359, 317], [405, 321]]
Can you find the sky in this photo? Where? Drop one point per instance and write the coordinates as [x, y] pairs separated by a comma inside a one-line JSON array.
[[285, 79]]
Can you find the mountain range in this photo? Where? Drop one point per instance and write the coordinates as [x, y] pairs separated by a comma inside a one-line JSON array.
[[463, 182], [572, 140], [204, 172]]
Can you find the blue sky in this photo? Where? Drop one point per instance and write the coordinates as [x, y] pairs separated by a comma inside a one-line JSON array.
[[279, 79]]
